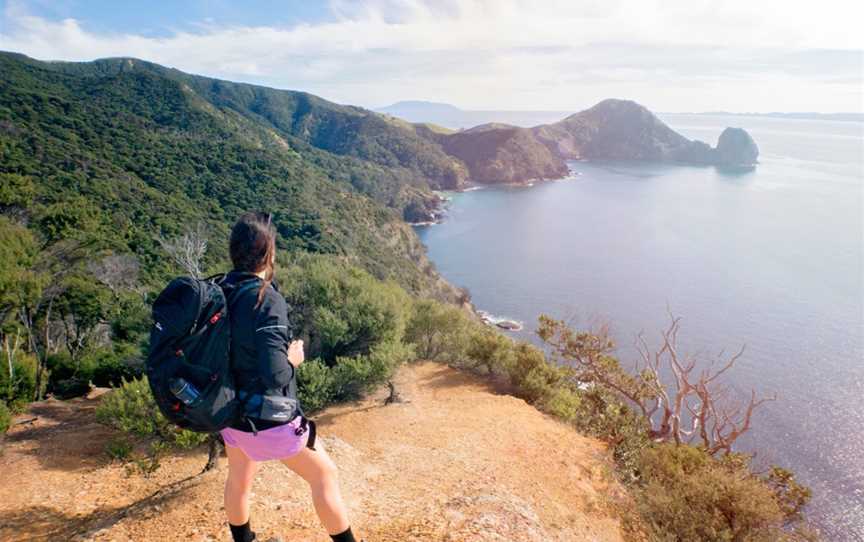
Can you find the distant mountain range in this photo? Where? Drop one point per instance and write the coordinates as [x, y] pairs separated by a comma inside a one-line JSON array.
[[846, 117], [452, 117]]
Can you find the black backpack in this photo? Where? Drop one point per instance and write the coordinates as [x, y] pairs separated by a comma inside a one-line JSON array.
[[189, 363]]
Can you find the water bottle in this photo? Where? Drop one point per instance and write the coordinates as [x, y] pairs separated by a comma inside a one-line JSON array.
[[183, 390]]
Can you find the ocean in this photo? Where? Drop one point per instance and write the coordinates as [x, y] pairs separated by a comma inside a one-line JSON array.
[[772, 259]]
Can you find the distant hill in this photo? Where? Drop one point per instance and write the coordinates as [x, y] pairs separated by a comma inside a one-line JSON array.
[[625, 130], [417, 108], [455, 118], [853, 117]]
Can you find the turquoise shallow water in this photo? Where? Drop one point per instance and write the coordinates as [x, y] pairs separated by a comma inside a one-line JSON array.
[[771, 259]]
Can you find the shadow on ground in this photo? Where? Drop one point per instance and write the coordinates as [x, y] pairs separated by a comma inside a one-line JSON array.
[[45, 523]]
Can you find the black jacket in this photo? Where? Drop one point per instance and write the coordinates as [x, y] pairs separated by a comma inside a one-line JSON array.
[[259, 340]]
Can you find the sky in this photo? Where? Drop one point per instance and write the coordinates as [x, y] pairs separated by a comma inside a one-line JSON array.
[[562, 55]]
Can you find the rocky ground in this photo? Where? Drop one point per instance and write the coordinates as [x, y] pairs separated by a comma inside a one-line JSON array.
[[456, 462]]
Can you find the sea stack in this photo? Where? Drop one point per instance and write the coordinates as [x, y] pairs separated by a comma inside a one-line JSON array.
[[736, 148]]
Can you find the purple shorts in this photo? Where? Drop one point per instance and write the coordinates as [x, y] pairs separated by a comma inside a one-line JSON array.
[[274, 443]]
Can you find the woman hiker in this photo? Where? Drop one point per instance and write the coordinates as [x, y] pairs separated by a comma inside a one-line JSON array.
[[264, 360]]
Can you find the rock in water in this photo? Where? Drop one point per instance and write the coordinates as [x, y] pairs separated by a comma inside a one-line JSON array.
[[509, 325], [736, 148]]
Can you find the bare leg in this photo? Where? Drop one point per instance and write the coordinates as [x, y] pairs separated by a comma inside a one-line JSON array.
[[319, 471], [241, 472]]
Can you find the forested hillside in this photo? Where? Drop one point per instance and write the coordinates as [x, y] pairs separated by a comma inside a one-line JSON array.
[[120, 152]]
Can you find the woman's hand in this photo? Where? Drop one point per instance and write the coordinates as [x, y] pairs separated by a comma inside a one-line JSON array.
[[295, 353]]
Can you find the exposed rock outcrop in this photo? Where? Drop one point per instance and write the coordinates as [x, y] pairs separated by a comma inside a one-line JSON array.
[[736, 148], [498, 153]]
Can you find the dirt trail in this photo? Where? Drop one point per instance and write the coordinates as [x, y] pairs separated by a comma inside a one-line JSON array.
[[457, 462]]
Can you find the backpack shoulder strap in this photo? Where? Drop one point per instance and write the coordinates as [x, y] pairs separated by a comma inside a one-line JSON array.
[[235, 289]]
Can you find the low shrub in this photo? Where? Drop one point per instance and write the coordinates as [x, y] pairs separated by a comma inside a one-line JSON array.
[[70, 387], [534, 378], [147, 464], [131, 319], [315, 385], [320, 385], [686, 494], [489, 351], [564, 404], [21, 388], [5, 417], [186, 440], [682, 492], [110, 367], [439, 332], [351, 376], [342, 310], [103, 367], [131, 409], [119, 448]]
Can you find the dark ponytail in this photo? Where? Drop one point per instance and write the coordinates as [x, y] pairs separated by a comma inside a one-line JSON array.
[[253, 247]]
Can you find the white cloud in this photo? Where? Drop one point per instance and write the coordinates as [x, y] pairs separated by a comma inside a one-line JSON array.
[[514, 54]]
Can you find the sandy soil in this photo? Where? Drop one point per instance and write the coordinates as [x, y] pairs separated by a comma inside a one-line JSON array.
[[456, 462]]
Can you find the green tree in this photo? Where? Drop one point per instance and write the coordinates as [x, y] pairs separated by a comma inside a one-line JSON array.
[[82, 305], [74, 218], [342, 310], [490, 350], [16, 190], [21, 296], [438, 331]]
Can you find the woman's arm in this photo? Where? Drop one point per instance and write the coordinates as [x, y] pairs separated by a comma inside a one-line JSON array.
[[296, 356], [272, 341]]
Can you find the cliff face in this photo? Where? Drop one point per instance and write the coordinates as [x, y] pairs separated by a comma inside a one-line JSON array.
[[503, 154]]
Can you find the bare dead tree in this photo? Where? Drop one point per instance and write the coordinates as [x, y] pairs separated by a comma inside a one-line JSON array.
[[117, 271], [35, 299], [28, 318], [693, 408], [10, 349], [187, 251], [75, 336], [697, 408]]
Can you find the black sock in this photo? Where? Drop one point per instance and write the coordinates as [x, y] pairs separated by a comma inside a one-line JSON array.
[[344, 536], [242, 533]]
